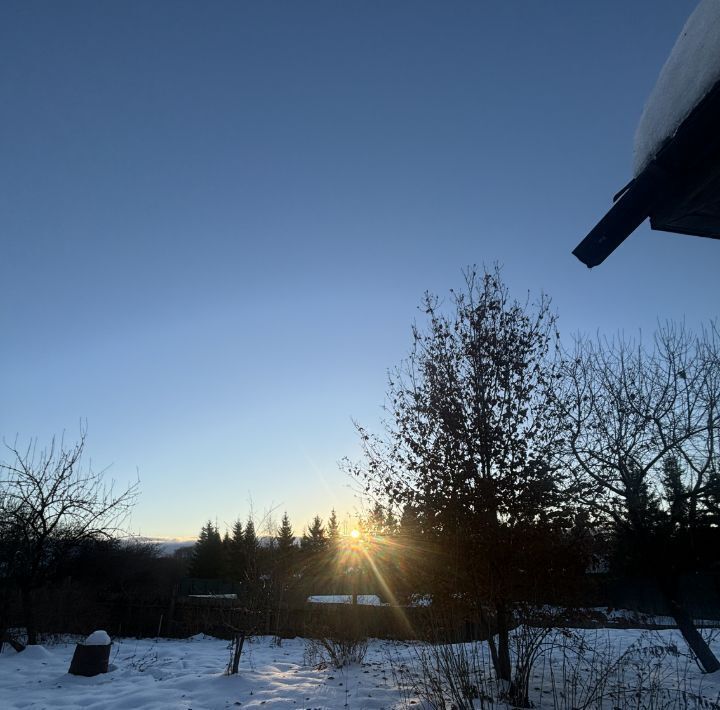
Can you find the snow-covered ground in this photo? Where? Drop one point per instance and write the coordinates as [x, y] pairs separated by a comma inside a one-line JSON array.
[[189, 673]]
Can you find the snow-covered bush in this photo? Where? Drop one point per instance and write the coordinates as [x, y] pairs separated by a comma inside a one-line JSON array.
[[335, 651]]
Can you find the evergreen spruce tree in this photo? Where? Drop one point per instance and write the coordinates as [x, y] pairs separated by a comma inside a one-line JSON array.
[[285, 552], [208, 558], [238, 558], [333, 528], [237, 534], [251, 547], [676, 493], [286, 536], [314, 539], [375, 524], [314, 552], [227, 555]]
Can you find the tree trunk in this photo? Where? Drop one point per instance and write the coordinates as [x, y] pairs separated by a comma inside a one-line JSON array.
[[29, 614], [504, 667], [515, 693], [237, 650], [698, 645], [490, 634]]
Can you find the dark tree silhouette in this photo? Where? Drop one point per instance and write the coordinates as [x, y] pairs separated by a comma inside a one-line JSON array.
[[251, 546], [285, 536], [470, 439], [314, 540], [208, 560], [237, 559], [285, 555], [333, 528], [49, 505], [643, 431], [375, 521]]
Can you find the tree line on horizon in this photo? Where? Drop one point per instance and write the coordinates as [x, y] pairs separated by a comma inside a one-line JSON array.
[[242, 556], [318, 561]]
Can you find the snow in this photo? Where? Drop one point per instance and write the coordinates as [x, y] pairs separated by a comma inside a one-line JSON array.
[[362, 599], [421, 600], [98, 638], [36, 653], [691, 70], [189, 673]]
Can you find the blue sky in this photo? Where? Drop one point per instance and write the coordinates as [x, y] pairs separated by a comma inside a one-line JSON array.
[[217, 219]]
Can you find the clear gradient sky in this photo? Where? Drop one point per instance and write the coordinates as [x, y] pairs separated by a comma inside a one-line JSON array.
[[217, 218]]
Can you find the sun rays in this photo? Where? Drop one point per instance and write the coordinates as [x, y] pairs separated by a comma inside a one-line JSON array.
[[360, 555]]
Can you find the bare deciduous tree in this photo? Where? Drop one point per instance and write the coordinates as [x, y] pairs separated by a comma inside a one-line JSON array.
[[643, 437], [49, 504]]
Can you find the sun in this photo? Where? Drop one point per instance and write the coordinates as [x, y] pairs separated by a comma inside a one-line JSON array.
[[354, 534]]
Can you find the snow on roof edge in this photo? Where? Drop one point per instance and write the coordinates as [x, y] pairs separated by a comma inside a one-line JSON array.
[[689, 73]]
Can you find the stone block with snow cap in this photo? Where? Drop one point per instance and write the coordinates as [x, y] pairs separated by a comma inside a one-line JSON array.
[[92, 657]]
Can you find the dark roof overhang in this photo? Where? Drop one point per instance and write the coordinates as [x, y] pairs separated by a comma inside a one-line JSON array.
[[679, 189]]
